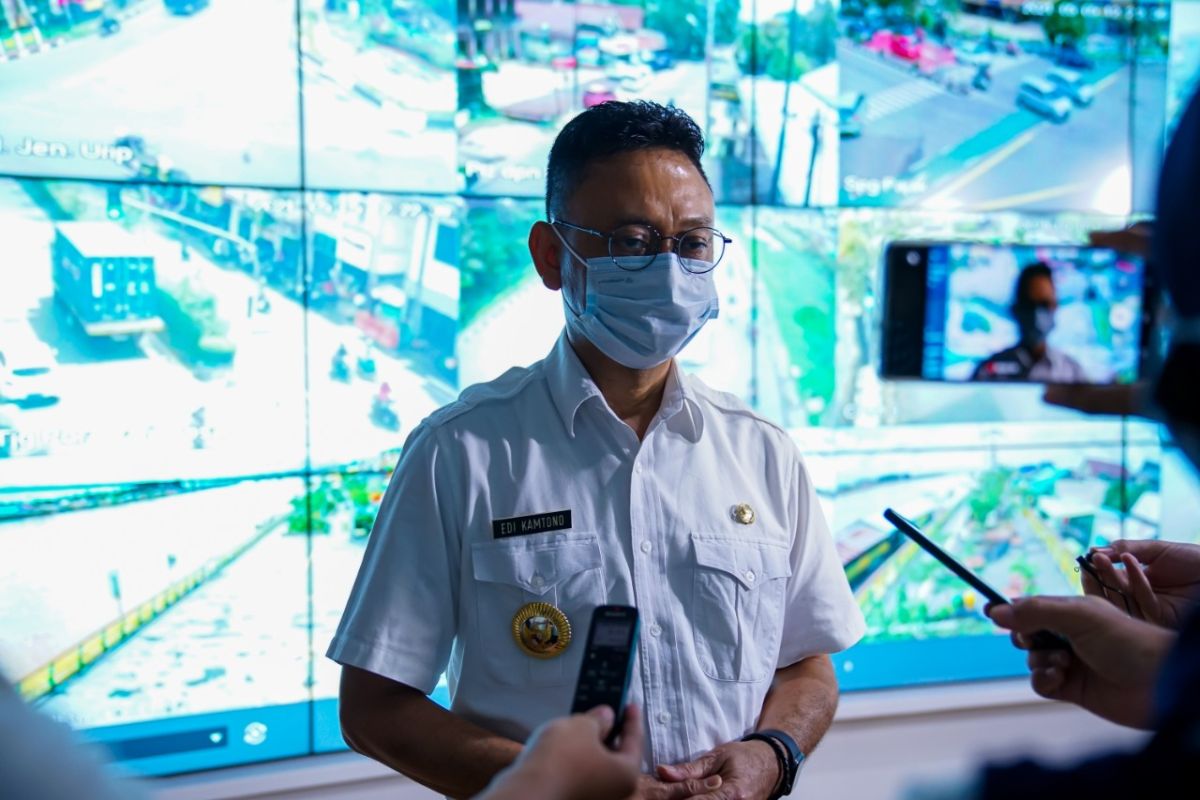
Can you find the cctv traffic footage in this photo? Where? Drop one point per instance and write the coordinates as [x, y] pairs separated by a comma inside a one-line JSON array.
[[165, 331], [144, 77], [1011, 105], [525, 67]]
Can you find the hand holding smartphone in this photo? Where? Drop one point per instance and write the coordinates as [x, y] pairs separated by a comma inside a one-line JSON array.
[[608, 664], [1042, 640]]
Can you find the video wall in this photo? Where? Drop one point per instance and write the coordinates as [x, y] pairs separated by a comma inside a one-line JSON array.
[[245, 247]]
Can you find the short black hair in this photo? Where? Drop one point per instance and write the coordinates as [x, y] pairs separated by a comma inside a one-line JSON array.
[[1038, 269], [616, 127]]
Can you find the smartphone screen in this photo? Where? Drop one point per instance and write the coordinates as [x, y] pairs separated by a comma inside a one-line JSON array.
[[957, 311]]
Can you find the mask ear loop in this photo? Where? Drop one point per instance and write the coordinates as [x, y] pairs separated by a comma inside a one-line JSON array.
[[561, 270]]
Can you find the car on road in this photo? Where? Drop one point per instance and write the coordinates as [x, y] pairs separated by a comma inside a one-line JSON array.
[[26, 383], [903, 46], [1072, 58], [1073, 85], [850, 108], [1045, 99], [658, 60]]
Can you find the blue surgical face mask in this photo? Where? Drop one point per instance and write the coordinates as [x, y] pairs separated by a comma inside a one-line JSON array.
[[1036, 323], [639, 318]]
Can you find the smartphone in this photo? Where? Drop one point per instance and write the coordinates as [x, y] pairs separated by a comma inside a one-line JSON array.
[[1042, 640], [964, 311], [608, 664]]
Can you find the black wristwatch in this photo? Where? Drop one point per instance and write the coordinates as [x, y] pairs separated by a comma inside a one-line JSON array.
[[791, 758]]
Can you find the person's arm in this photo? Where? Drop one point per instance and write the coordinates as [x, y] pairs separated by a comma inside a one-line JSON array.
[[398, 630], [801, 703], [402, 728]]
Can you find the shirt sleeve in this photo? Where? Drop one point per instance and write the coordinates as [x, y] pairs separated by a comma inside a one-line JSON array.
[[401, 618], [821, 615]]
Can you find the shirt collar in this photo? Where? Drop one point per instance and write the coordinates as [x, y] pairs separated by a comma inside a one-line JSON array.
[[571, 387]]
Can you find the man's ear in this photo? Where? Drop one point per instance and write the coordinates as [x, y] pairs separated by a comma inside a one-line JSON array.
[[547, 251]]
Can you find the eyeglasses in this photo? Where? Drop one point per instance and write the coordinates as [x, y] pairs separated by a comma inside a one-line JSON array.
[[700, 249]]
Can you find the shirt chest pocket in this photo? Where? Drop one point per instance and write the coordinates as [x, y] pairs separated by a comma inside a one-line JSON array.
[[738, 592], [565, 572]]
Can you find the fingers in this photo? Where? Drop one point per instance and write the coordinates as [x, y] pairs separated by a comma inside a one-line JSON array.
[[1145, 550], [1111, 576], [631, 733], [1145, 600], [1046, 659], [1048, 682], [1069, 616], [1090, 585], [1134, 239], [602, 717], [724, 793], [1048, 671], [1115, 399], [702, 767], [680, 790]]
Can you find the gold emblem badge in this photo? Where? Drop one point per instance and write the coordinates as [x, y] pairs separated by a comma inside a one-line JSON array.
[[541, 630], [742, 513]]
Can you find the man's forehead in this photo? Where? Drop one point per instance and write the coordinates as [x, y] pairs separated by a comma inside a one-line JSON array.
[[644, 186]]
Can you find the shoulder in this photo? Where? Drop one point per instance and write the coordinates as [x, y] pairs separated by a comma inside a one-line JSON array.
[[729, 411], [493, 396]]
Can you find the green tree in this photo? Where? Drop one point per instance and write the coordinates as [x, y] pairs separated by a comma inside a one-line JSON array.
[[988, 494], [685, 23], [764, 48], [821, 46], [495, 252], [1064, 28]]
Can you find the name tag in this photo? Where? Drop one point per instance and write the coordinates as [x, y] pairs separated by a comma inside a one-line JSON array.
[[534, 523]]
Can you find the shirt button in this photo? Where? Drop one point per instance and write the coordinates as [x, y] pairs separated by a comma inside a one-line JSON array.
[[638, 469], [656, 629], [663, 718], [749, 576], [537, 581], [647, 547]]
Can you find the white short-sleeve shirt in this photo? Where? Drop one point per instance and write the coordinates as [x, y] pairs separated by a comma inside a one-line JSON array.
[[722, 603]]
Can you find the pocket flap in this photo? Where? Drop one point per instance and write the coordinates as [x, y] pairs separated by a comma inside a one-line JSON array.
[[535, 566], [749, 561]]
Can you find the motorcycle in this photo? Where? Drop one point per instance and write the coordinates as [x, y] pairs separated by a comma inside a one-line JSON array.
[[339, 370], [383, 415], [366, 367]]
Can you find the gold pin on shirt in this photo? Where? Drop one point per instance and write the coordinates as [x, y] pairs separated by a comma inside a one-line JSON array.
[[742, 513], [541, 630]]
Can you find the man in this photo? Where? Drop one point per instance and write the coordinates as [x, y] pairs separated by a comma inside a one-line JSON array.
[[1035, 302], [602, 474]]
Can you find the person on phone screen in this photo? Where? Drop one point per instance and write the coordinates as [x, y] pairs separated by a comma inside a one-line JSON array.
[[1035, 302]]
